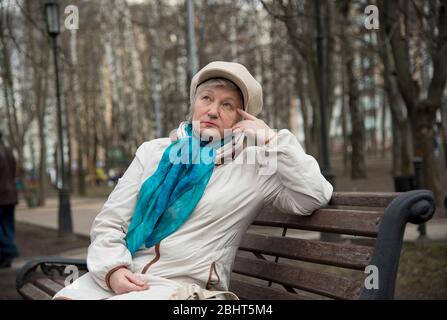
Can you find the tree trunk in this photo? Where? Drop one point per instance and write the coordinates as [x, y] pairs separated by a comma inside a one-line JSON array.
[[132, 80], [443, 132], [155, 65], [358, 164], [423, 137], [396, 148], [43, 178], [77, 105], [383, 124], [402, 142], [299, 75], [344, 117]]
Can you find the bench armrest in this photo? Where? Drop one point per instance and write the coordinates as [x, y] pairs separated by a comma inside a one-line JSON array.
[[417, 206], [49, 265]]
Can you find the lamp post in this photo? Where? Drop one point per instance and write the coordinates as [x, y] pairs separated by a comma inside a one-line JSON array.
[[53, 29]]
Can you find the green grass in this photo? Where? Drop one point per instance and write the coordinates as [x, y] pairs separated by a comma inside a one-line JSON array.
[[101, 191], [422, 271]]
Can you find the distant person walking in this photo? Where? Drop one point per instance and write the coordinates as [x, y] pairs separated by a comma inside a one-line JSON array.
[[8, 201]]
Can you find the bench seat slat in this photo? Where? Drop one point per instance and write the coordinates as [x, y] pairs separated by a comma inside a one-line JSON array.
[[329, 285], [60, 281], [30, 291], [250, 291], [335, 254], [49, 286], [363, 199], [351, 222]]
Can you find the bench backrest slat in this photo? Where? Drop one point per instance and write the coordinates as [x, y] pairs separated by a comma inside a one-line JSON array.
[[329, 285], [335, 254], [363, 199], [351, 222]]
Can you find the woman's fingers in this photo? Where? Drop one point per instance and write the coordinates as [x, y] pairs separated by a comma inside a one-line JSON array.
[[256, 128], [246, 115], [134, 287], [127, 286], [131, 283], [139, 281], [246, 125], [123, 280], [241, 125]]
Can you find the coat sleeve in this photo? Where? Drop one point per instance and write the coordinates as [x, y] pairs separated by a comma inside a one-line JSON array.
[[108, 251], [289, 178]]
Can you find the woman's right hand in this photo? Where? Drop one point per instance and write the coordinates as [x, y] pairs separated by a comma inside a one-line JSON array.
[[123, 281]]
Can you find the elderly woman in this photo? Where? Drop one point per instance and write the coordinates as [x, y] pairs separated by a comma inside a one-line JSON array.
[[178, 214]]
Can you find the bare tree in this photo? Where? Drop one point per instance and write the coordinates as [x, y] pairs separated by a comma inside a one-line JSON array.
[[402, 143], [401, 19], [37, 61], [298, 17], [19, 114]]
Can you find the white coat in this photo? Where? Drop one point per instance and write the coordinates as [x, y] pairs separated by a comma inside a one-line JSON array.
[[202, 250]]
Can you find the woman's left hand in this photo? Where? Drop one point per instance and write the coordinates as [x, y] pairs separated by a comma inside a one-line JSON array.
[[254, 127]]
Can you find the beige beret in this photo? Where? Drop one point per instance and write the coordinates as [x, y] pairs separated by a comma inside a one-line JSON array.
[[236, 73]]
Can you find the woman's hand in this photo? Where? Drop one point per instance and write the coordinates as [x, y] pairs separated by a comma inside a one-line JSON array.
[[254, 127], [123, 281]]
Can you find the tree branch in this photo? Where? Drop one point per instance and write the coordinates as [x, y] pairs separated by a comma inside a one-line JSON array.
[[437, 85], [270, 12], [408, 87]]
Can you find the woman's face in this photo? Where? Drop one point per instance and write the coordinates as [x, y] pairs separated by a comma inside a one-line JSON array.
[[214, 111]]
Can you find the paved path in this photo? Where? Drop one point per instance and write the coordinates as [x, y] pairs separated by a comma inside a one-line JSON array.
[[84, 211]]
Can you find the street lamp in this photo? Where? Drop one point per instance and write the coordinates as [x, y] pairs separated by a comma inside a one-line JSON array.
[[53, 29], [52, 17]]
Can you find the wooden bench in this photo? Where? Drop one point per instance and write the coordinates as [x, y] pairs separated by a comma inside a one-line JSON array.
[[282, 257]]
